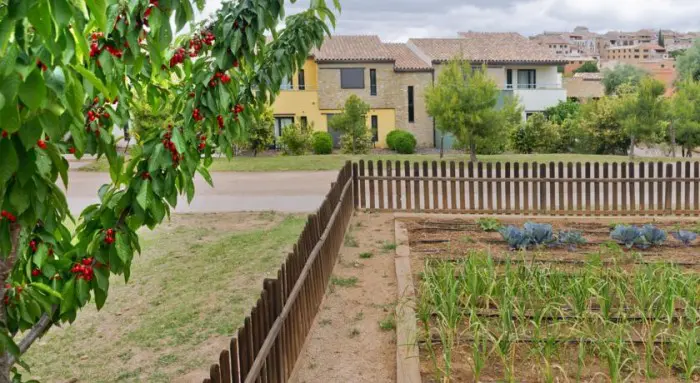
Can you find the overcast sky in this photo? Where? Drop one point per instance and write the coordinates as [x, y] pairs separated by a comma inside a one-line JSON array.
[[397, 20]]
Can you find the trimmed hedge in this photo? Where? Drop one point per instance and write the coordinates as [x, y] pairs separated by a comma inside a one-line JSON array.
[[322, 143], [404, 143], [391, 138]]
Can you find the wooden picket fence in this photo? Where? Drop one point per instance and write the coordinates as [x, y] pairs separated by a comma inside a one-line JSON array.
[[267, 346], [554, 188]]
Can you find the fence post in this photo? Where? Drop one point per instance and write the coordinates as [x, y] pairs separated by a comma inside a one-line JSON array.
[[668, 189]]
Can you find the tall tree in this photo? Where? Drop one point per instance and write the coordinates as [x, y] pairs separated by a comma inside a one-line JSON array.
[[352, 122], [621, 74], [688, 63], [68, 73], [685, 122], [661, 40], [641, 111], [462, 102]]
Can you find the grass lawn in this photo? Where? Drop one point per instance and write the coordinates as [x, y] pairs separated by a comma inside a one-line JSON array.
[[336, 161], [190, 289]]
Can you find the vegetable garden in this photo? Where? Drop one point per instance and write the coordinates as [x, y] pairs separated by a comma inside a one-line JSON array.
[[574, 300]]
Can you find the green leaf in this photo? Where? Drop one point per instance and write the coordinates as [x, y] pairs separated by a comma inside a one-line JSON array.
[[100, 298], [123, 248], [40, 17], [62, 12], [144, 195], [8, 344], [59, 162], [30, 133], [19, 199], [165, 36], [83, 291], [56, 81], [184, 14], [47, 289], [179, 141], [2, 101], [92, 79], [41, 255], [112, 13], [98, 11], [205, 174], [9, 115], [68, 294], [75, 95], [33, 91], [9, 163]]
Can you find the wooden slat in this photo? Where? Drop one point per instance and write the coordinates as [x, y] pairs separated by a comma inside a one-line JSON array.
[[407, 173], [606, 186], [562, 189], [668, 190], [370, 172], [470, 171], [579, 188], [686, 195], [490, 203], [642, 187], [651, 186], [507, 195], [498, 196], [516, 188], [480, 185], [235, 369], [215, 373], [380, 186], [526, 188], [355, 186], [363, 200], [453, 186], [436, 205], [426, 187], [679, 172], [552, 187], [614, 196], [400, 203], [416, 186], [543, 189], [596, 186], [696, 187], [570, 186], [225, 365], [389, 187], [632, 187], [462, 184], [443, 184], [624, 207], [660, 173], [587, 186]]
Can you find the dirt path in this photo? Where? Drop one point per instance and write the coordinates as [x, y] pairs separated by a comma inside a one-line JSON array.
[[232, 191], [347, 343]]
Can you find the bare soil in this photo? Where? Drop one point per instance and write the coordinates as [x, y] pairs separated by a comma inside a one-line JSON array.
[[455, 238], [346, 343]]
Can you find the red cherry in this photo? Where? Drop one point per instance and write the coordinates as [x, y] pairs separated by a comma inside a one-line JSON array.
[[235, 63], [36, 272], [41, 144], [71, 150], [4, 134], [86, 261], [105, 115]]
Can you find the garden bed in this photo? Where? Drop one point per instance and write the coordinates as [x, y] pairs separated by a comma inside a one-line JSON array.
[[599, 312]]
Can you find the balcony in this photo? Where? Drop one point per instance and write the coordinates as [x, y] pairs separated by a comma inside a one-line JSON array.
[[537, 97], [289, 87]]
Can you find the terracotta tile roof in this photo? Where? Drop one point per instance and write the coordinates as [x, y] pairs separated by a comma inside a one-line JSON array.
[[340, 48], [582, 89], [488, 48], [406, 59], [653, 46], [551, 39]]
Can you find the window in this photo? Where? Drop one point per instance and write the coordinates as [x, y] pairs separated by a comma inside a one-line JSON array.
[[281, 123], [411, 109], [375, 128], [301, 79], [304, 121], [527, 79], [509, 79], [352, 78], [372, 82]]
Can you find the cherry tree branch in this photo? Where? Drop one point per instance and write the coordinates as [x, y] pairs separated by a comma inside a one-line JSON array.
[[37, 331]]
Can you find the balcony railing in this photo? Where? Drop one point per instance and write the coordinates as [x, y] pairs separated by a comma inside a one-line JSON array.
[[533, 86], [288, 87]]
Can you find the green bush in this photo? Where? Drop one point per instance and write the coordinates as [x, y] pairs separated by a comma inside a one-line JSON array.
[[405, 143], [360, 144], [322, 143], [296, 139], [391, 138]]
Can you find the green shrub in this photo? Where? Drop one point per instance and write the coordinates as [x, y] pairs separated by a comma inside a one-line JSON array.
[[322, 143], [405, 143], [391, 139], [360, 144], [296, 139]]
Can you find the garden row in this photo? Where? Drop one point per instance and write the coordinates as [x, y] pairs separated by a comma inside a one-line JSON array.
[[479, 320]]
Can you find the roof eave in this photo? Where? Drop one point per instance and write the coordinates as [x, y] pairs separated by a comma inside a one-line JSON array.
[[354, 61], [503, 62]]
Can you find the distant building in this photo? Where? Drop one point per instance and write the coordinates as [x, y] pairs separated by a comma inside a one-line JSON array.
[[636, 53], [583, 87]]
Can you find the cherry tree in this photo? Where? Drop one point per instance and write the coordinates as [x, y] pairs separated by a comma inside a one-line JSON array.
[[69, 71]]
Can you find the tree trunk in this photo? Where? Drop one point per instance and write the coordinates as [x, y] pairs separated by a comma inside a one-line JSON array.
[[632, 144], [673, 140], [5, 270], [442, 145], [472, 151]]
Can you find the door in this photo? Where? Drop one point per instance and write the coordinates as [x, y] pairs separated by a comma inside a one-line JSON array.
[[280, 123], [334, 133]]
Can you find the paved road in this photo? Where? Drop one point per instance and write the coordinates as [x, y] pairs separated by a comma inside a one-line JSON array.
[[283, 191]]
